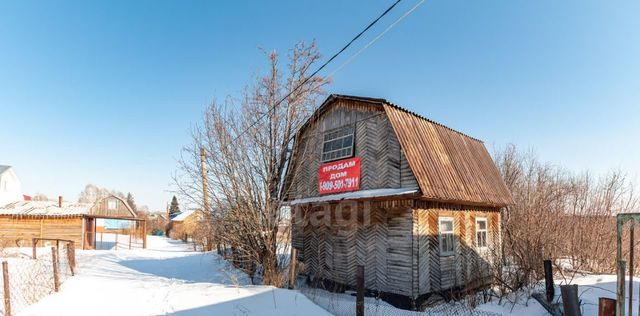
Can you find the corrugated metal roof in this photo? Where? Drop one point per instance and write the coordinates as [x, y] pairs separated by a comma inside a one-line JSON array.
[[44, 208], [448, 165]]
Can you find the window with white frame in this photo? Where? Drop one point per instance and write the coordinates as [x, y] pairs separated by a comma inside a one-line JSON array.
[[337, 144], [481, 232], [446, 236], [112, 204]]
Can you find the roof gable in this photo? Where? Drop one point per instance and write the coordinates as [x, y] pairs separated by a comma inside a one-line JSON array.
[[448, 165]]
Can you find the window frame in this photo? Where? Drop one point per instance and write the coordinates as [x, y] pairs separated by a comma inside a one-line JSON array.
[[352, 133], [446, 234], [115, 204], [485, 231]]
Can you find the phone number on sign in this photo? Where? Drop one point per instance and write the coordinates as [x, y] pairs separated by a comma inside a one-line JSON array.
[[339, 184]]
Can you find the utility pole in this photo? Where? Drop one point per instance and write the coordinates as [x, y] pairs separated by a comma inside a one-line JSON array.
[[205, 197]]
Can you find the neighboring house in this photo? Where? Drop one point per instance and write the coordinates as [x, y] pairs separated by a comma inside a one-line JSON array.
[[22, 221], [10, 187], [184, 225], [416, 203]]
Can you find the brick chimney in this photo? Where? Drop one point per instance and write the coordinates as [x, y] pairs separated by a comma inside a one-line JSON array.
[[60, 201]]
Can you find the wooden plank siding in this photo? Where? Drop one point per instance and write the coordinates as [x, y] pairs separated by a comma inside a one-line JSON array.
[[20, 231], [398, 244], [383, 164]]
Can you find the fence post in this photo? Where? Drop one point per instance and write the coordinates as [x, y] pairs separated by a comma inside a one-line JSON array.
[[130, 236], [56, 276], [101, 244], [69, 259], [7, 294], [570, 299], [622, 268], [73, 255], [548, 280], [631, 268], [144, 235], [35, 254], [360, 291], [292, 268], [116, 240], [606, 306]]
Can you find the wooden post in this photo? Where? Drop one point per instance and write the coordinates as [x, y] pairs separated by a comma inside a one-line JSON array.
[[56, 275], [7, 289], [73, 255], [58, 248], [631, 268], [69, 258], [116, 240], [130, 236], [144, 235], [570, 300], [606, 306], [360, 291], [35, 253], [622, 268], [292, 268], [548, 280], [205, 185], [101, 240]]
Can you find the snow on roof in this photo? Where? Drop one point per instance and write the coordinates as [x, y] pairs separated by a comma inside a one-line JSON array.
[[356, 195], [4, 168], [182, 216], [44, 208]]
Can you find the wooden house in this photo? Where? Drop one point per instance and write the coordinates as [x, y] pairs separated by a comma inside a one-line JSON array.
[[22, 221], [185, 224], [416, 203]]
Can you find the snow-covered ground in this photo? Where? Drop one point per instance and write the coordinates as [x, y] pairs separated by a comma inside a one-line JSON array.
[[590, 288], [168, 278]]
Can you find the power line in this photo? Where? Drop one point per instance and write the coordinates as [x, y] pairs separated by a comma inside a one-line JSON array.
[[317, 71], [376, 38]]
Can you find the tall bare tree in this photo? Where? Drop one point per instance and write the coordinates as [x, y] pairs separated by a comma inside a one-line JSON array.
[[248, 141]]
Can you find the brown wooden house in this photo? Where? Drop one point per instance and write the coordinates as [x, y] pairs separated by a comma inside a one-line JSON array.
[[22, 221], [415, 202]]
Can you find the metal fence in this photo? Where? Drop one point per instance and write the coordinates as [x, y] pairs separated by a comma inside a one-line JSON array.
[[25, 281], [344, 304]]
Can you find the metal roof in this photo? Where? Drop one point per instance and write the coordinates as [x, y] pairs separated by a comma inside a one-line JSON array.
[[44, 208]]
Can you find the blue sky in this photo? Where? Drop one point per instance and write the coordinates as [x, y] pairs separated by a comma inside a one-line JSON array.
[[106, 92]]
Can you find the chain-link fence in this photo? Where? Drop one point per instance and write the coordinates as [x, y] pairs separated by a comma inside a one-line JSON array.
[[26, 281], [344, 304]]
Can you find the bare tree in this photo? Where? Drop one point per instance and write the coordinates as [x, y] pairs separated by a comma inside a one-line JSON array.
[[558, 215], [248, 141]]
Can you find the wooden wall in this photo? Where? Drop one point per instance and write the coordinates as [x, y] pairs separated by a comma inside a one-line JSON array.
[[380, 240], [436, 272], [397, 242], [383, 164], [20, 231]]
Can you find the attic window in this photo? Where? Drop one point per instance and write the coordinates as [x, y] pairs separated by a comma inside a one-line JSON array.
[[111, 204], [337, 144]]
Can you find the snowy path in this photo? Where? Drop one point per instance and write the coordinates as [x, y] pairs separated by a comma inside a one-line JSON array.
[[166, 279]]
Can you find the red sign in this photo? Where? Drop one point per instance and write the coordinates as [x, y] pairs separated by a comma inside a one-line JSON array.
[[339, 176]]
